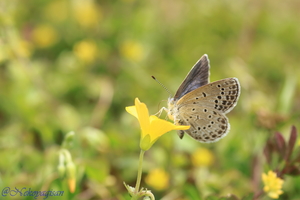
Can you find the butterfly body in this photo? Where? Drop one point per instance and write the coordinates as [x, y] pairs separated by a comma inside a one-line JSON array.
[[203, 105]]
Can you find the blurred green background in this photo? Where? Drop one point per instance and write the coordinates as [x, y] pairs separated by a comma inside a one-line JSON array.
[[74, 65]]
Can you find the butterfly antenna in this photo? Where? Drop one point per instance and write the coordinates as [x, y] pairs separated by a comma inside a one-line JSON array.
[[162, 85]]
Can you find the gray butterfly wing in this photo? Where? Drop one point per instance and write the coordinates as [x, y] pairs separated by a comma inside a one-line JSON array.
[[197, 77], [205, 125], [220, 95], [204, 109]]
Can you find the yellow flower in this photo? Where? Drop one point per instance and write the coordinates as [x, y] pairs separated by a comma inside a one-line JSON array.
[[72, 184], [132, 50], [273, 184], [202, 157], [152, 127], [86, 50], [21, 48], [158, 179], [44, 36], [87, 13], [71, 176], [298, 143]]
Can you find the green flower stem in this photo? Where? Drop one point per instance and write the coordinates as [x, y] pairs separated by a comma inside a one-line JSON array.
[[140, 169], [139, 176]]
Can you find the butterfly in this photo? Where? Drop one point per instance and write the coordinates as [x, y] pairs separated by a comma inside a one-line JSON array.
[[203, 105]]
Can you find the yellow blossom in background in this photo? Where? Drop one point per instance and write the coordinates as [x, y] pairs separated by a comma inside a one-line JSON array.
[[44, 36], [298, 142], [57, 10], [273, 184], [86, 50], [202, 157], [152, 127], [72, 184], [132, 50], [87, 13], [23, 49], [158, 179]]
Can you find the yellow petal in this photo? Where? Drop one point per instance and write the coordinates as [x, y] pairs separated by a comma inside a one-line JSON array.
[[264, 177], [158, 127], [169, 124], [273, 184], [273, 195], [132, 110], [143, 115], [152, 127]]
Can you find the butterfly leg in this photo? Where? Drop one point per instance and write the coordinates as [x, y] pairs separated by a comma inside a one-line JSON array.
[[180, 133], [160, 111]]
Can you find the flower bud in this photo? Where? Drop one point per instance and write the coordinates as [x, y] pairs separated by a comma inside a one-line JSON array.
[[145, 143], [71, 176]]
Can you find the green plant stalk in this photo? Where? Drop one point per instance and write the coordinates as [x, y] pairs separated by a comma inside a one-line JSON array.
[[139, 176]]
